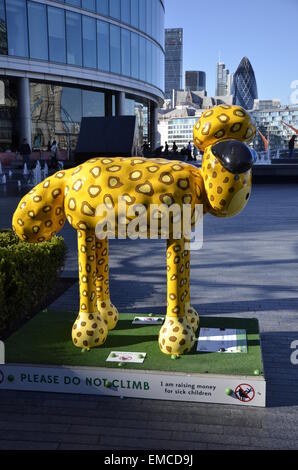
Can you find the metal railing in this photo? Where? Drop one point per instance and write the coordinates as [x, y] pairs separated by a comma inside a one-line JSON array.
[[266, 157]]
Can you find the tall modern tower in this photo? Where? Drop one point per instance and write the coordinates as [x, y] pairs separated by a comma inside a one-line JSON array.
[[244, 88], [195, 80], [222, 74], [173, 60]]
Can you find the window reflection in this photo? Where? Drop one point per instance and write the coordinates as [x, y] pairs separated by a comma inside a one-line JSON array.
[[135, 13], [3, 31], [134, 55], [103, 45], [93, 103], [142, 59], [17, 28], [115, 48], [89, 42], [102, 7], [56, 27], [76, 3], [125, 52], [38, 37], [125, 11], [142, 15], [88, 4], [74, 38], [115, 9]]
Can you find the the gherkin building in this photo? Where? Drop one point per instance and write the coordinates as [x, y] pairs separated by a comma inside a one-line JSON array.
[[244, 88]]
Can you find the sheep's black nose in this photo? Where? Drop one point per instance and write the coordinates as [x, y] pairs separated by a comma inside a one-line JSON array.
[[233, 155]]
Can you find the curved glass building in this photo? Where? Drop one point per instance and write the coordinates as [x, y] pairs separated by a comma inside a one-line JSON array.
[[244, 87], [63, 60]]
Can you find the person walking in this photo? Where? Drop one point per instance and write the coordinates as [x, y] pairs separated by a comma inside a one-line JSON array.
[[292, 145], [25, 151], [54, 152], [189, 150], [195, 153], [174, 148], [166, 151]]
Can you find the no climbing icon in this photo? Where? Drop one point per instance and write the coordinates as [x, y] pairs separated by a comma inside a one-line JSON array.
[[245, 392]]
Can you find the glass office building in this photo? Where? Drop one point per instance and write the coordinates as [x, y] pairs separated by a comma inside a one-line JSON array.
[[195, 80], [62, 60], [244, 88], [222, 74], [173, 60]]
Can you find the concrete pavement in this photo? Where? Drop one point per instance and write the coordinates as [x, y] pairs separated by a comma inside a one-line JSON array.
[[248, 267]]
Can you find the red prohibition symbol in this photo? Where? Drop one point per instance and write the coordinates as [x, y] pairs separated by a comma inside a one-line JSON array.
[[245, 392]]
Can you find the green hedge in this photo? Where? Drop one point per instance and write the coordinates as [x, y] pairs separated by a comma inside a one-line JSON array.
[[27, 274]]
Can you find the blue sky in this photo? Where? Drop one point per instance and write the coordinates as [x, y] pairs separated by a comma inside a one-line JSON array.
[[266, 31]]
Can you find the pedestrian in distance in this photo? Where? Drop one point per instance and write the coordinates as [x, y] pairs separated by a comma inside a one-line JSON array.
[[292, 145], [174, 148], [189, 150], [25, 151], [54, 152], [195, 153], [166, 151]]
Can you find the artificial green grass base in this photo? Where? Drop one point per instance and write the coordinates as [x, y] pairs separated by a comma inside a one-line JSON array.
[[46, 339]]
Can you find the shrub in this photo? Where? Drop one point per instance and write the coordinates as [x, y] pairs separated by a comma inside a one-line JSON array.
[[28, 273]]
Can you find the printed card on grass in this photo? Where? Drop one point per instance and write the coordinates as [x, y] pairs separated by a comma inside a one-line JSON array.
[[127, 357]]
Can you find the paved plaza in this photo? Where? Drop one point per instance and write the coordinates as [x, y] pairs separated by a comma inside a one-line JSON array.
[[248, 267]]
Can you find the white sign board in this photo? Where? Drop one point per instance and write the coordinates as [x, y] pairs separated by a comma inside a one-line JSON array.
[[222, 340], [148, 321], [205, 388]]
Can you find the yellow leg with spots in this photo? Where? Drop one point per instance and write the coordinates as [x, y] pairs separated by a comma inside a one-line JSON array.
[[191, 314], [105, 307], [176, 335], [89, 329]]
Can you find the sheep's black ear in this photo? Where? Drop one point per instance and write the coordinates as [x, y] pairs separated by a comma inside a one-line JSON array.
[[235, 156]]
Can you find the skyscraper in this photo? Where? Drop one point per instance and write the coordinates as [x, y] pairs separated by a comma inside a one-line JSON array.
[[230, 79], [195, 80], [244, 88], [221, 79], [173, 60]]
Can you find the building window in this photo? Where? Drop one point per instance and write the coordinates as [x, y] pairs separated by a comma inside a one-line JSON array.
[[115, 9], [125, 11], [103, 45], [74, 38], [17, 28], [71, 105], [38, 33], [142, 59], [56, 27], [148, 62], [125, 52], [115, 48], [76, 3], [134, 55], [154, 18], [3, 30], [93, 103], [142, 14], [88, 4], [89, 42], [102, 7], [149, 17], [135, 13]]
